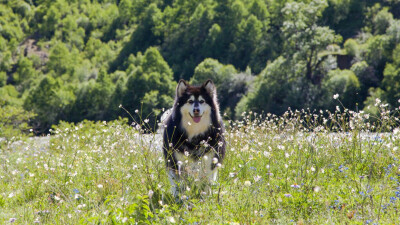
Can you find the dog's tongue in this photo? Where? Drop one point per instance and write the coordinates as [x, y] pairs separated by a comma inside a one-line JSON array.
[[197, 119]]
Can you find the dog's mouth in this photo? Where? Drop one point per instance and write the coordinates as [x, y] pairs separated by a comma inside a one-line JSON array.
[[196, 118]]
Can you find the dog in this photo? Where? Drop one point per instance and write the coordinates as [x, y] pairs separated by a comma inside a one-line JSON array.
[[193, 139]]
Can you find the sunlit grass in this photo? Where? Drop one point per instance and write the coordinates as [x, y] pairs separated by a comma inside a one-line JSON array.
[[288, 169]]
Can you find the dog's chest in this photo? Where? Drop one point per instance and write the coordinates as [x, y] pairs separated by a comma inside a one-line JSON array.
[[199, 168]]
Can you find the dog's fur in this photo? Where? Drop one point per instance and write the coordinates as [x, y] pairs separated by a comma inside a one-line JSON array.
[[194, 145]]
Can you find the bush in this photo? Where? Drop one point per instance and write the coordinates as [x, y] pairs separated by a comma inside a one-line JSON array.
[[346, 84]]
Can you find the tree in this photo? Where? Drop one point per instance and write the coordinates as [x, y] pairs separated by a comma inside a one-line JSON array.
[[93, 99], [50, 100], [305, 40], [230, 84], [346, 84], [150, 86]]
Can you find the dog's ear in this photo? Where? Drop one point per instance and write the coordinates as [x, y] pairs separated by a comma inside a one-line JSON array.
[[181, 88], [210, 88]]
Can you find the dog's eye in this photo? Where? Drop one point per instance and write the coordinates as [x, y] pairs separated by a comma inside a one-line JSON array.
[[201, 101], [190, 101]]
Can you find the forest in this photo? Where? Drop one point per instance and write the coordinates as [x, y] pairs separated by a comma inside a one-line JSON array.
[[74, 60]]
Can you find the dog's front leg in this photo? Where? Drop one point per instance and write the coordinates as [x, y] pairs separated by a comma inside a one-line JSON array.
[[176, 181]]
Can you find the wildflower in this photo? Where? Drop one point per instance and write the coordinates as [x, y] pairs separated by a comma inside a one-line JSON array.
[[257, 178], [146, 120], [120, 106], [377, 101], [287, 195], [215, 160], [171, 219], [335, 96], [136, 111], [100, 186], [151, 192], [247, 183], [77, 196], [312, 169], [124, 220], [295, 185], [11, 195], [317, 188], [12, 220]]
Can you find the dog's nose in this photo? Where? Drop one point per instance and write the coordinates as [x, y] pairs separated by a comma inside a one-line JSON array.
[[196, 111]]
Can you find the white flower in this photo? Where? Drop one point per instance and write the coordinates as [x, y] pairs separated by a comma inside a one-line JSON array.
[[247, 183], [171, 219], [151, 192], [312, 169], [146, 120], [215, 160], [100, 186], [317, 189], [336, 96], [11, 195], [136, 111]]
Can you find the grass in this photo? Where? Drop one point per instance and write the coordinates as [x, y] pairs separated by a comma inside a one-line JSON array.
[[300, 168]]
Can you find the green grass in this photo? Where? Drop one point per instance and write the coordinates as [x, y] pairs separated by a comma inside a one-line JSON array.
[[281, 170]]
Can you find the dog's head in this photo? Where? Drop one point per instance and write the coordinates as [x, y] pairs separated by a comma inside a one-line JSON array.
[[197, 105], [197, 102]]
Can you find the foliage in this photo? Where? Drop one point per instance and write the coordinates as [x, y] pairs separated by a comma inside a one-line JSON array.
[[13, 123], [96, 53], [230, 84]]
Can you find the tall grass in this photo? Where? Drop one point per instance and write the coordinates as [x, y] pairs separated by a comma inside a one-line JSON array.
[[303, 167]]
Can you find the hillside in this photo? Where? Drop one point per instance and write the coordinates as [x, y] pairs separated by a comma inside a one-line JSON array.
[[72, 60]]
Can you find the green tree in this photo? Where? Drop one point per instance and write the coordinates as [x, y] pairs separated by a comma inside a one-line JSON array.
[[93, 99], [50, 101], [230, 84], [151, 83], [346, 84], [146, 34]]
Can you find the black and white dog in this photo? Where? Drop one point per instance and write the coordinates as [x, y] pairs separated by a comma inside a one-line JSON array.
[[194, 145]]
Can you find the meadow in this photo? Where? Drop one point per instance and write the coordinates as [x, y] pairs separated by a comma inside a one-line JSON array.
[[299, 168]]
